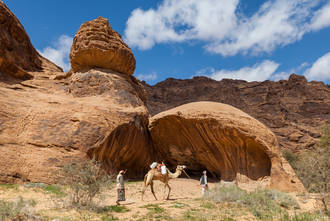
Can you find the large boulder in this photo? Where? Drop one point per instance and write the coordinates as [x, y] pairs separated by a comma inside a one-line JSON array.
[[227, 142], [96, 44], [17, 55]]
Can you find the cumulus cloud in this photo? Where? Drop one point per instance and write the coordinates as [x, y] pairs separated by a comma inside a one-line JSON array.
[[222, 26], [277, 23], [321, 18], [147, 77], [182, 20], [258, 72], [59, 52], [320, 70]]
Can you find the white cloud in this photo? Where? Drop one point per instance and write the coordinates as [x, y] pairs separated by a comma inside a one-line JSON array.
[[258, 72], [277, 23], [59, 52], [182, 20], [223, 28], [321, 18], [320, 70], [147, 77]]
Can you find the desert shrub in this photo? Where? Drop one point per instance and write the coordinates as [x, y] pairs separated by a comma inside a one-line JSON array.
[[291, 157], [266, 204], [85, 180], [313, 166], [306, 216], [20, 209], [263, 203], [223, 193]]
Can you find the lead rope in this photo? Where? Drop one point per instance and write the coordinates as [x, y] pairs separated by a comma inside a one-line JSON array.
[[186, 174]]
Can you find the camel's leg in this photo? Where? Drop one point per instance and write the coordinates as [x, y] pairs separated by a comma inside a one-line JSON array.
[[145, 186], [152, 189], [169, 190], [164, 193]]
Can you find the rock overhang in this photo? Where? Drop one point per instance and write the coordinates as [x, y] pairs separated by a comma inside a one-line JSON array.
[[202, 135]]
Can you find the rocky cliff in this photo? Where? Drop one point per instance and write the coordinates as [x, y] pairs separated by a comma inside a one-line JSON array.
[[98, 110], [17, 55], [293, 109]]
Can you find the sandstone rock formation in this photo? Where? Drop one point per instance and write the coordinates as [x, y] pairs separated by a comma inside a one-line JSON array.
[[17, 55], [99, 110], [226, 141], [51, 118], [293, 109], [97, 45], [45, 123]]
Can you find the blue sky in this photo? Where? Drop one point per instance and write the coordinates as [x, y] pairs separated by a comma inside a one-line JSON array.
[[239, 39]]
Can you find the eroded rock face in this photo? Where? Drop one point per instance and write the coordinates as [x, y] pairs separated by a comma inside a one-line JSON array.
[[293, 109], [226, 141], [96, 44], [53, 118], [17, 55], [45, 123]]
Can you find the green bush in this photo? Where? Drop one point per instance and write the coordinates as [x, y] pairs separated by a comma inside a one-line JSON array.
[[85, 180]]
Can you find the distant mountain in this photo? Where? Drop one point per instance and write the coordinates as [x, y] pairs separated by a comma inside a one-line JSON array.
[[293, 109]]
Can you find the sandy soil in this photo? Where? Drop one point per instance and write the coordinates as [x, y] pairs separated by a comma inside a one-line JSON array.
[[185, 196]]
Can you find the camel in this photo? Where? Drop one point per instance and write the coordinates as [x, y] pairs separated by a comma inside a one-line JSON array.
[[153, 174]]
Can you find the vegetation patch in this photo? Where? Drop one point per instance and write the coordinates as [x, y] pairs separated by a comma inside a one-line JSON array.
[[18, 210], [307, 216], [85, 180], [313, 166], [55, 190], [208, 205], [154, 208], [109, 218], [264, 204], [6, 186], [178, 205], [115, 208]]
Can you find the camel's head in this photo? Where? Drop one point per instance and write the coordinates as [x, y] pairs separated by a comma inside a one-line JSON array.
[[181, 167]]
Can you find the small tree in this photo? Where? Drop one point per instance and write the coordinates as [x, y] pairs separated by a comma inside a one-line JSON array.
[[85, 180], [313, 167]]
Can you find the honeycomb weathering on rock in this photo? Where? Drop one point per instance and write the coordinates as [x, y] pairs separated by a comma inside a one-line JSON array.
[[17, 54], [224, 140], [96, 44]]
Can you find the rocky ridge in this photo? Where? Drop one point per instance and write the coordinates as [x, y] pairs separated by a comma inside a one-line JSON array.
[[293, 109]]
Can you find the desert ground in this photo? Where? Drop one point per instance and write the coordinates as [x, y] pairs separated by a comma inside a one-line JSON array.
[[186, 203]]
